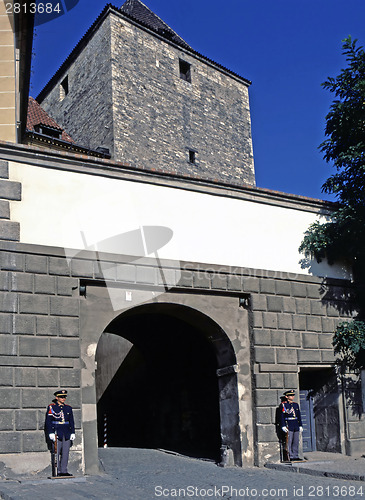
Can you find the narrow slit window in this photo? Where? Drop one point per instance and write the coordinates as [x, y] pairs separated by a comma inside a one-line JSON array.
[[64, 88], [185, 70], [192, 156]]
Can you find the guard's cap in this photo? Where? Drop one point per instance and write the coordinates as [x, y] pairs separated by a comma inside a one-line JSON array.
[[289, 393], [61, 392]]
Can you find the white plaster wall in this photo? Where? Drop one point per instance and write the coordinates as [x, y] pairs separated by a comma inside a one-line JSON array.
[[71, 210]]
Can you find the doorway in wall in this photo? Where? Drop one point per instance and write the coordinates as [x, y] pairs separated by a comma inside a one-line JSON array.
[[157, 384], [319, 400]]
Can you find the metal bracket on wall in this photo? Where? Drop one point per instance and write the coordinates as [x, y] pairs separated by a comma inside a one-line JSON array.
[[244, 302]]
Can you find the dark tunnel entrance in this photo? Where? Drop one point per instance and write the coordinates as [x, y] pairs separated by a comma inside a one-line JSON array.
[[157, 386]]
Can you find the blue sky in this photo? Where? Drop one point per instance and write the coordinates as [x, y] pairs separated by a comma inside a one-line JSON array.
[[287, 48]]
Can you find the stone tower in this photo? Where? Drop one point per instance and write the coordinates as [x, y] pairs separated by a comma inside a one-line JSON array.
[[134, 86]]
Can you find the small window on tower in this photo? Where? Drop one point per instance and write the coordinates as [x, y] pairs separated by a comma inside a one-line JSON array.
[[64, 88], [192, 156], [185, 70]]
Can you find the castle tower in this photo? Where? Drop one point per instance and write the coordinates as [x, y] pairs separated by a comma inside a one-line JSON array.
[[134, 86]]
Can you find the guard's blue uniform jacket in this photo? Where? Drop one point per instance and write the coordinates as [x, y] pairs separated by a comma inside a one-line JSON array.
[[290, 416], [60, 419]]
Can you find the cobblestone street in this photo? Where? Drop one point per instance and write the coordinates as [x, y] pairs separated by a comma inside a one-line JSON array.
[[139, 474]]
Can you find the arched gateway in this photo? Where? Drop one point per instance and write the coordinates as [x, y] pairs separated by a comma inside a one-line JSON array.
[[166, 378]]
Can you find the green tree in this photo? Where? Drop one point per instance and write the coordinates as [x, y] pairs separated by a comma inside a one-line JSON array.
[[342, 237]]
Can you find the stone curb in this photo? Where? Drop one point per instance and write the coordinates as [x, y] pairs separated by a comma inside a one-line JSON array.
[[316, 472]]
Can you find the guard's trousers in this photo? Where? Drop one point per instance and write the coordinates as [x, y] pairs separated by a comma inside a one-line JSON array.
[[293, 444], [63, 449]]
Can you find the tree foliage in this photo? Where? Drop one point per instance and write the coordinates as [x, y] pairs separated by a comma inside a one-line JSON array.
[[342, 237]]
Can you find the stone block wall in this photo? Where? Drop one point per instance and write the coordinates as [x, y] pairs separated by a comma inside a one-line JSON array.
[[86, 111], [159, 116], [39, 349], [293, 321], [9, 191], [292, 324], [126, 93]]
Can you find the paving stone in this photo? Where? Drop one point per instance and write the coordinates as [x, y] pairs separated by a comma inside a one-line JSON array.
[[270, 320], [25, 377], [257, 319], [262, 337], [25, 420], [186, 278], [286, 356], [302, 306], [69, 327], [6, 323], [10, 190], [9, 230], [122, 272], [8, 345], [266, 397], [325, 341], [11, 261], [293, 339], [314, 291], [310, 341], [314, 324], [66, 286], [200, 280], [285, 321], [6, 375], [289, 305], [266, 433], [33, 304], [264, 355], [283, 288], [278, 338], [328, 325], [48, 377], [276, 380], [33, 346], [45, 284], [299, 323], [36, 264], [309, 356], [299, 289], [82, 268], [46, 325], [4, 169], [8, 302], [250, 284], [64, 306], [234, 283], [65, 347], [262, 381], [24, 324], [263, 415], [10, 442], [9, 397], [33, 441], [70, 378], [219, 281], [35, 398], [6, 420], [274, 304], [58, 266], [267, 286], [258, 302]]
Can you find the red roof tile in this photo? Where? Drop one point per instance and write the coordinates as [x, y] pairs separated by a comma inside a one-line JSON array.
[[37, 116]]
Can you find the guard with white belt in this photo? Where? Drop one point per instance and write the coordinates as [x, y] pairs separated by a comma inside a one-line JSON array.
[[60, 428], [291, 424]]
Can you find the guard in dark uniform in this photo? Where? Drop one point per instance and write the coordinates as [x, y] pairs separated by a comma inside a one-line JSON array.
[[60, 425], [291, 423]]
